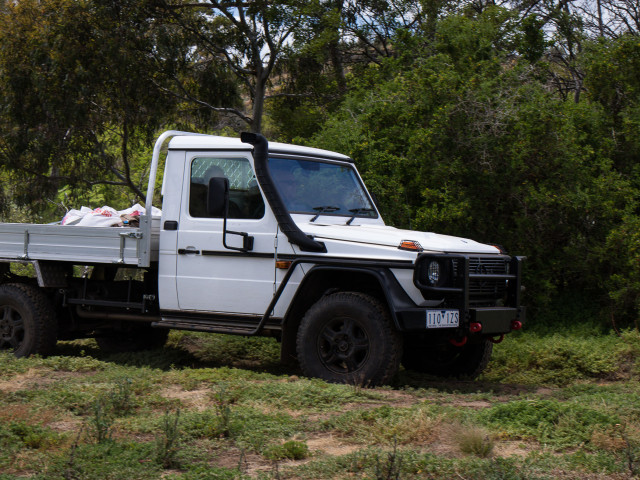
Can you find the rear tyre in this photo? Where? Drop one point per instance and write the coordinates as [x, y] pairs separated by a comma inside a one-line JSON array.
[[134, 338], [446, 360], [28, 324], [348, 337]]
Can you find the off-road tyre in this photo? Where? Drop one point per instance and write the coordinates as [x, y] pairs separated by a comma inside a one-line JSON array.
[[132, 338], [348, 337], [28, 325], [446, 360]]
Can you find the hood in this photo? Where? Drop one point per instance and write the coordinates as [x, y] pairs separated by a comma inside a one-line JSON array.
[[391, 237]]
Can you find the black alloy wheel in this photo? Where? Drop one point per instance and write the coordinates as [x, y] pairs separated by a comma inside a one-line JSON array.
[[28, 324], [11, 329], [348, 337], [343, 345]]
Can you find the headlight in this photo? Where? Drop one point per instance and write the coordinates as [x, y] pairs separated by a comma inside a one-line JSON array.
[[433, 272]]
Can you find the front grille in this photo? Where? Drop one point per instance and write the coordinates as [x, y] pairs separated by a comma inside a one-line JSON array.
[[481, 291]]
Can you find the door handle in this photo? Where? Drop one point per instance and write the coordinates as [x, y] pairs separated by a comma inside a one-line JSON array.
[[188, 251]]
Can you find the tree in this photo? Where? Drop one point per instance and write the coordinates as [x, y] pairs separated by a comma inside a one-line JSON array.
[[467, 139], [341, 39], [247, 37], [81, 90]]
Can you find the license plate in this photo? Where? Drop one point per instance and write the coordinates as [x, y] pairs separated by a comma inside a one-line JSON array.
[[443, 318]]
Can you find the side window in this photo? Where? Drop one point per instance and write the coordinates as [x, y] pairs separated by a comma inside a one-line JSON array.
[[245, 200]]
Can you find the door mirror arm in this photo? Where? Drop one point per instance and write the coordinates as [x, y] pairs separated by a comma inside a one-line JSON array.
[[218, 206]]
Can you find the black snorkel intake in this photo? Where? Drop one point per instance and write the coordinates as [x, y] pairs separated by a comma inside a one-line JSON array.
[[285, 222]]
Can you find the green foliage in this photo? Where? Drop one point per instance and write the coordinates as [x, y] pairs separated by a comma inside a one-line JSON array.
[[387, 426], [290, 450], [15, 435], [588, 427], [168, 443], [104, 461], [298, 393], [106, 408], [121, 397], [208, 473], [222, 350], [255, 430], [84, 89], [10, 365], [474, 441], [557, 359], [461, 138], [551, 422]]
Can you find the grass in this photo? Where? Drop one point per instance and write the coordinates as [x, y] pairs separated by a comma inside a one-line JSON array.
[[562, 404]]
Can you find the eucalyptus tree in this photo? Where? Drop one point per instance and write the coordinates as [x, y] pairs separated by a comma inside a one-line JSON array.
[[79, 91], [248, 37]]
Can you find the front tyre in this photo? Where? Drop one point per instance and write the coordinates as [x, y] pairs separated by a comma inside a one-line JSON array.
[[446, 360], [348, 337], [28, 325]]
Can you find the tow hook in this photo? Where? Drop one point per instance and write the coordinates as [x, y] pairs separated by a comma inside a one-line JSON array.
[[497, 339], [476, 327], [458, 343]]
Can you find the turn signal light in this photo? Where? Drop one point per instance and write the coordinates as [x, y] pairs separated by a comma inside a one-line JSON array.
[[516, 325], [283, 264], [410, 245]]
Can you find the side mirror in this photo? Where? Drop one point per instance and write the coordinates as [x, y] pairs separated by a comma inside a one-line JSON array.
[[218, 207], [218, 197]]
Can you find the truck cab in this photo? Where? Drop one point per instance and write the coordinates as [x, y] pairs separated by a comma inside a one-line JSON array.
[[263, 238]]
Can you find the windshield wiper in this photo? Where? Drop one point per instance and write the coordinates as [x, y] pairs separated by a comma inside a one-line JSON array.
[[356, 211], [323, 209]]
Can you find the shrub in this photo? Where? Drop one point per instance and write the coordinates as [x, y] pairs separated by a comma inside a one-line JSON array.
[[474, 440], [291, 450], [548, 421]]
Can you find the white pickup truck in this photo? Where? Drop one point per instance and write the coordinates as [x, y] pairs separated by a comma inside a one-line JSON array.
[[260, 238]]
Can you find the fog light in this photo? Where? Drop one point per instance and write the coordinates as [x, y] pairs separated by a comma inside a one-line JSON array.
[[433, 272]]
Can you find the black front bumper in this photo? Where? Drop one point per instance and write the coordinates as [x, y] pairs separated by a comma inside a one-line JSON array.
[[494, 320], [485, 289]]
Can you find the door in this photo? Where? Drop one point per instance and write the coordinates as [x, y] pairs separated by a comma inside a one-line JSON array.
[[211, 277]]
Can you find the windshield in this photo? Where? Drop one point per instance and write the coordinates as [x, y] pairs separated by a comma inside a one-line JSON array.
[[320, 188]]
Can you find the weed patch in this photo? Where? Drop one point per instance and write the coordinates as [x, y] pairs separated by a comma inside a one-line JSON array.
[[168, 441], [555, 359], [385, 425], [308, 394], [474, 440], [103, 461], [240, 422], [291, 450], [548, 421]]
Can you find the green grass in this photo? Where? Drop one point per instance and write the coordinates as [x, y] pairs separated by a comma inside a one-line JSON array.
[[551, 405]]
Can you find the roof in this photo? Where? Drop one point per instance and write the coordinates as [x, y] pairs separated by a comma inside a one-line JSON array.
[[214, 142]]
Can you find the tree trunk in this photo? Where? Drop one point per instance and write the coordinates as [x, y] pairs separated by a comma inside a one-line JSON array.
[[258, 103]]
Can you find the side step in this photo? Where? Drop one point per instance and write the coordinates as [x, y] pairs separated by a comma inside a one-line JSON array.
[[240, 326]]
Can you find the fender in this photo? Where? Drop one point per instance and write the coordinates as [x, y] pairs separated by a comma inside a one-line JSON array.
[[394, 295], [317, 279]]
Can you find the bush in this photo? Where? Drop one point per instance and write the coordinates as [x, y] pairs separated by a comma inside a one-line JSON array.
[[547, 421], [291, 450], [557, 359]]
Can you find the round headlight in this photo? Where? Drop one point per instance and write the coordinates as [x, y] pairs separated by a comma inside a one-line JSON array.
[[433, 272]]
